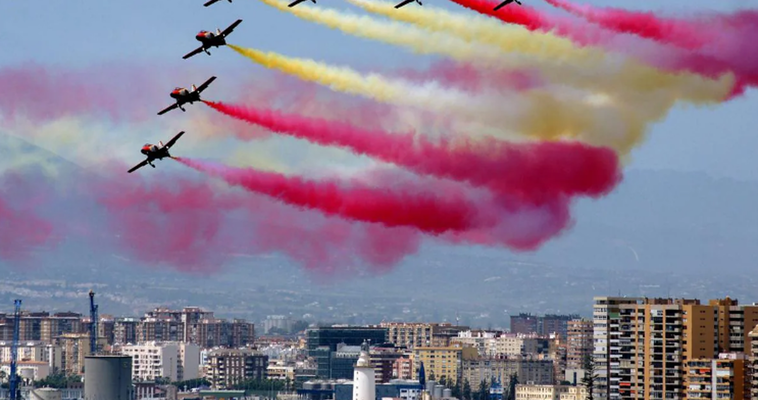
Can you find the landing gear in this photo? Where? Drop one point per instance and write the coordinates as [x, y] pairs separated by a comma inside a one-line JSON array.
[[207, 52]]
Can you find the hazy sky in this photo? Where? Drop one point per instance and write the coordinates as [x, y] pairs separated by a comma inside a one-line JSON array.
[[720, 140], [60, 35]]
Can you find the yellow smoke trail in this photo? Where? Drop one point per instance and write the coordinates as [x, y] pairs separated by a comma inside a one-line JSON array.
[[561, 61], [539, 113]]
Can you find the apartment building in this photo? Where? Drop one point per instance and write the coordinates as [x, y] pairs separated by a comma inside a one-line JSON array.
[[527, 368], [550, 392], [723, 378], [421, 334], [605, 317], [175, 360], [40, 326], [642, 346], [752, 369], [542, 325], [383, 359], [74, 347], [578, 343], [193, 325], [227, 367], [442, 361], [125, 331]]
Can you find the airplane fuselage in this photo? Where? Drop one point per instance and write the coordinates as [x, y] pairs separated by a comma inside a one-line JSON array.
[[154, 152], [210, 39], [182, 96]]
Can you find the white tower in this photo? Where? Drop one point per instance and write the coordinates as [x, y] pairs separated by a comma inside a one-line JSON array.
[[364, 386]]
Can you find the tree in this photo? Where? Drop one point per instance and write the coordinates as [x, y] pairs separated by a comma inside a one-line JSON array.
[[466, 390], [455, 391], [483, 393], [509, 393], [588, 381]]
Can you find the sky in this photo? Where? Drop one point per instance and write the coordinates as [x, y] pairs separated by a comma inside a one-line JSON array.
[[133, 51], [716, 140]]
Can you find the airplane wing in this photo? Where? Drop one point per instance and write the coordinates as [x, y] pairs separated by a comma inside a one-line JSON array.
[[296, 2], [173, 140], [209, 3], [193, 52], [205, 85], [138, 166], [503, 4], [231, 27], [404, 3], [167, 109]]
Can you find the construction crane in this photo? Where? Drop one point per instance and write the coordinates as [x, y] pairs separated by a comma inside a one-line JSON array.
[[93, 325], [14, 349]]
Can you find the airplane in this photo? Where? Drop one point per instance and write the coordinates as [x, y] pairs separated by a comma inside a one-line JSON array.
[[408, 1], [182, 95], [296, 2], [505, 3], [211, 39], [211, 2], [156, 152]]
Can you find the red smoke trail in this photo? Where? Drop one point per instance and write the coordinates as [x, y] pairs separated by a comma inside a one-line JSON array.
[[482, 220], [532, 172], [196, 227], [731, 47], [396, 207], [678, 32], [473, 79], [21, 228]]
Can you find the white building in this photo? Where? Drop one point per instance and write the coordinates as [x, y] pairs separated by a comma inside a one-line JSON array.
[[550, 392], [364, 383], [280, 322], [28, 370], [31, 351], [151, 360]]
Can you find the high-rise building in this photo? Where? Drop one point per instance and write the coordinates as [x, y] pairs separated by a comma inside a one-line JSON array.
[[524, 323], [526, 368], [175, 360], [543, 325], [125, 331], [442, 361], [227, 367], [281, 323], [605, 315], [725, 377], [322, 342], [642, 346], [194, 325], [579, 347], [421, 334]]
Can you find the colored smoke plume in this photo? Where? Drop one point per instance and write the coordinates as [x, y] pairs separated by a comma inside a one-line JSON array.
[[532, 172], [196, 227], [538, 113], [21, 228], [553, 58], [679, 32], [731, 55], [400, 206], [443, 209]]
